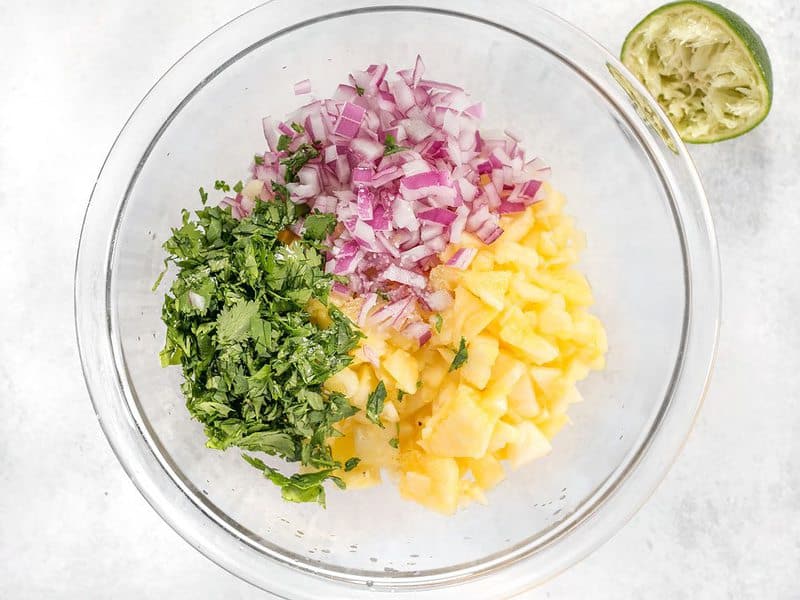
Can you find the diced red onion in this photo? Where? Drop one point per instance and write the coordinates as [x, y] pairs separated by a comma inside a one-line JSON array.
[[404, 276], [418, 331], [462, 258], [302, 87]]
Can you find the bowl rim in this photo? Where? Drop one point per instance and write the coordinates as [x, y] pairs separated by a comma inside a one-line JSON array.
[[127, 435]]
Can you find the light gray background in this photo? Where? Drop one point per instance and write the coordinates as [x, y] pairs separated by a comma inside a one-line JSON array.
[[724, 524]]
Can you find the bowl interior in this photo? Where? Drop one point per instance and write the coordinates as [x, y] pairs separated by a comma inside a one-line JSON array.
[[634, 262]]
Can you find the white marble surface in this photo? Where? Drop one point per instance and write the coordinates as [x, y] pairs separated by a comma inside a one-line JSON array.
[[724, 524]]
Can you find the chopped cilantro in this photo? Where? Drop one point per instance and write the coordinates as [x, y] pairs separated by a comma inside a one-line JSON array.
[[461, 356], [298, 128], [351, 463], [400, 395], [394, 442], [283, 143], [319, 226], [253, 361], [375, 404], [203, 196], [238, 187], [297, 159], [300, 487], [391, 146], [258, 159], [221, 185], [437, 323], [359, 90]]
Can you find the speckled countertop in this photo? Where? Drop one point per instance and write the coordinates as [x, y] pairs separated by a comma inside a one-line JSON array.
[[724, 524]]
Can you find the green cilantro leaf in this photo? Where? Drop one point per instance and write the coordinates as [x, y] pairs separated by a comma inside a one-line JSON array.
[[300, 487], [351, 463], [219, 184], [258, 159], [233, 323], [203, 196], [391, 146], [461, 356], [298, 128], [318, 226], [238, 187], [375, 404], [437, 323], [283, 143], [297, 160], [394, 442]]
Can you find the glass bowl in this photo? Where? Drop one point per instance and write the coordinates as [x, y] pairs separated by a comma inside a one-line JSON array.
[[651, 259]]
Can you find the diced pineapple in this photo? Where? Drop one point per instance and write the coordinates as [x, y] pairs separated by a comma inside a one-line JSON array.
[[530, 339], [470, 315], [444, 277], [403, 368], [516, 227], [253, 189], [522, 289], [490, 287], [488, 471], [435, 370], [522, 398], [431, 480], [554, 319], [483, 261], [318, 313], [371, 444], [503, 433], [552, 425], [460, 427], [483, 351], [506, 372], [551, 203], [345, 382], [519, 257], [531, 443], [517, 333], [415, 485]]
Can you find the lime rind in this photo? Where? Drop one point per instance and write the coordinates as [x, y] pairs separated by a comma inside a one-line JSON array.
[[707, 68]]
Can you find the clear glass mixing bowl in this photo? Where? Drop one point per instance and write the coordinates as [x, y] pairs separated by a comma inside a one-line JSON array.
[[651, 259]]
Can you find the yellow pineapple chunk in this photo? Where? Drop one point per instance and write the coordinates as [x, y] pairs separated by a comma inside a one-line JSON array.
[[506, 372], [516, 256], [371, 444], [517, 333], [345, 382], [552, 425], [488, 471], [403, 368], [431, 480], [490, 287], [522, 398], [516, 227], [483, 351], [503, 433], [531, 443], [470, 315], [522, 289], [460, 427], [554, 319], [444, 277]]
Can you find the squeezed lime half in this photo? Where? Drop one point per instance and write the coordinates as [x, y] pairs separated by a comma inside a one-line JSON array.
[[705, 66]]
